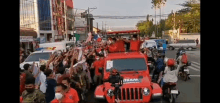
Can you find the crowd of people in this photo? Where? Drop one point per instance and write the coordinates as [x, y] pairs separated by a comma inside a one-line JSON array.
[[67, 76]]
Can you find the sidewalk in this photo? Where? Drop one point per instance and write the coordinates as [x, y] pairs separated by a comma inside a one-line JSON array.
[[198, 46]]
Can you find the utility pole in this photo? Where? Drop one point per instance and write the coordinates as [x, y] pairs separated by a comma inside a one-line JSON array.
[[97, 28], [88, 19], [65, 19], [157, 30], [155, 23], [102, 28], [105, 28], [160, 21]]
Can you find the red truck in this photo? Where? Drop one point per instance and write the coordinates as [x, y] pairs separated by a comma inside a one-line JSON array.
[[137, 86]]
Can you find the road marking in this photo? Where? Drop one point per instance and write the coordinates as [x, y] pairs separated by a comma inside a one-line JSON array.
[[195, 66], [194, 75], [190, 75], [196, 63], [190, 67]]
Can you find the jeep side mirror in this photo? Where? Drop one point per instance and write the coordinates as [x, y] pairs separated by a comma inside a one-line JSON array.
[[100, 70]]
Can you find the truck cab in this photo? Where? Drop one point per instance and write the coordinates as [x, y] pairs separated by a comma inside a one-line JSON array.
[[137, 86]]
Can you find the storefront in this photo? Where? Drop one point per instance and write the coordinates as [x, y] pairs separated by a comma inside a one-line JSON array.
[[27, 39]]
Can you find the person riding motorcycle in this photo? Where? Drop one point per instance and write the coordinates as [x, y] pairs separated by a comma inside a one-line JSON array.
[[170, 73], [179, 50], [181, 64]]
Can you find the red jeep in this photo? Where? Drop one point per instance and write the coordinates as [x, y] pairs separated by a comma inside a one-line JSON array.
[[137, 86]]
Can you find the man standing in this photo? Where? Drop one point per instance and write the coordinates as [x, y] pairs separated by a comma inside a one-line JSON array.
[[70, 92], [81, 80], [27, 70], [42, 79], [60, 94], [51, 84], [32, 95], [197, 41], [96, 65]]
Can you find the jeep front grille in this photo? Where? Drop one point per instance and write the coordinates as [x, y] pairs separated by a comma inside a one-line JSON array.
[[128, 94]]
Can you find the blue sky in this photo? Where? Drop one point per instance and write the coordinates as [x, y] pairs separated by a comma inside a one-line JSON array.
[[124, 8]]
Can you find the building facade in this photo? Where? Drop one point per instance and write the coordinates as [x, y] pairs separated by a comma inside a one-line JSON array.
[[29, 26], [29, 15], [52, 19]]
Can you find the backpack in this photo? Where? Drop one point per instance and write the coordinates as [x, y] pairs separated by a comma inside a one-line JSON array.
[[184, 59]]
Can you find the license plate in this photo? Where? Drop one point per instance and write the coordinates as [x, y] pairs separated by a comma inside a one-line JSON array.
[[186, 70], [174, 91], [149, 64]]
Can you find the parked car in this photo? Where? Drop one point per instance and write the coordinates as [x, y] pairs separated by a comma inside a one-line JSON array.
[[187, 44]]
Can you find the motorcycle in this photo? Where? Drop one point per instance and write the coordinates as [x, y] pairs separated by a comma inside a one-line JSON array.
[[183, 73], [170, 92]]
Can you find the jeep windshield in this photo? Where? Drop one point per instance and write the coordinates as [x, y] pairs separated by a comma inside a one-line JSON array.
[[131, 64], [37, 56]]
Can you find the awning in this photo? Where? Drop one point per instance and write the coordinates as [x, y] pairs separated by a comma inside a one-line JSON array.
[[28, 32]]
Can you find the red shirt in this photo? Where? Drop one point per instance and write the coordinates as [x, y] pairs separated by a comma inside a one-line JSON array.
[[99, 39], [102, 61], [97, 64], [89, 47], [72, 94], [98, 50], [22, 82], [65, 100], [112, 48], [135, 45], [120, 46]]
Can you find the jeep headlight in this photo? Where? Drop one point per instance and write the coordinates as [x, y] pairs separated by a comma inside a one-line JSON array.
[[110, 92], [146, 91]]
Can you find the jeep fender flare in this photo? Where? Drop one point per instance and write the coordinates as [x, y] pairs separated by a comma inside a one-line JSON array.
[[99, 93], [156, 91]]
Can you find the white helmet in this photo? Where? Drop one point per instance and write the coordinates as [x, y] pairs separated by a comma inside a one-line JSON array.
[[165, 59]]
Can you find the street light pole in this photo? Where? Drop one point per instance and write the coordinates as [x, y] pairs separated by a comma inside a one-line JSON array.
[[88, 19], [65, 19]]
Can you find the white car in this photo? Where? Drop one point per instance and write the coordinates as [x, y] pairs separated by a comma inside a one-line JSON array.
[[148, 43], [188, 44], [35, 56]]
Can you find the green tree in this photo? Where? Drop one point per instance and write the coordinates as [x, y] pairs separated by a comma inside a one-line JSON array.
[[187, 18], [145, 27], [158, 3]]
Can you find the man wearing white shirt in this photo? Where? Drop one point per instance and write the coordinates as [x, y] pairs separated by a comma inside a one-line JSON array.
[[42, 79]]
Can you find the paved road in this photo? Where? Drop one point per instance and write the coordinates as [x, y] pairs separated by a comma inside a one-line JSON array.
[[189, 90]]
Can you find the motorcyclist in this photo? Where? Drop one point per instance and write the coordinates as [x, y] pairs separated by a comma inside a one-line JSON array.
[[181, 64], [170, 73], [179, 50]]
